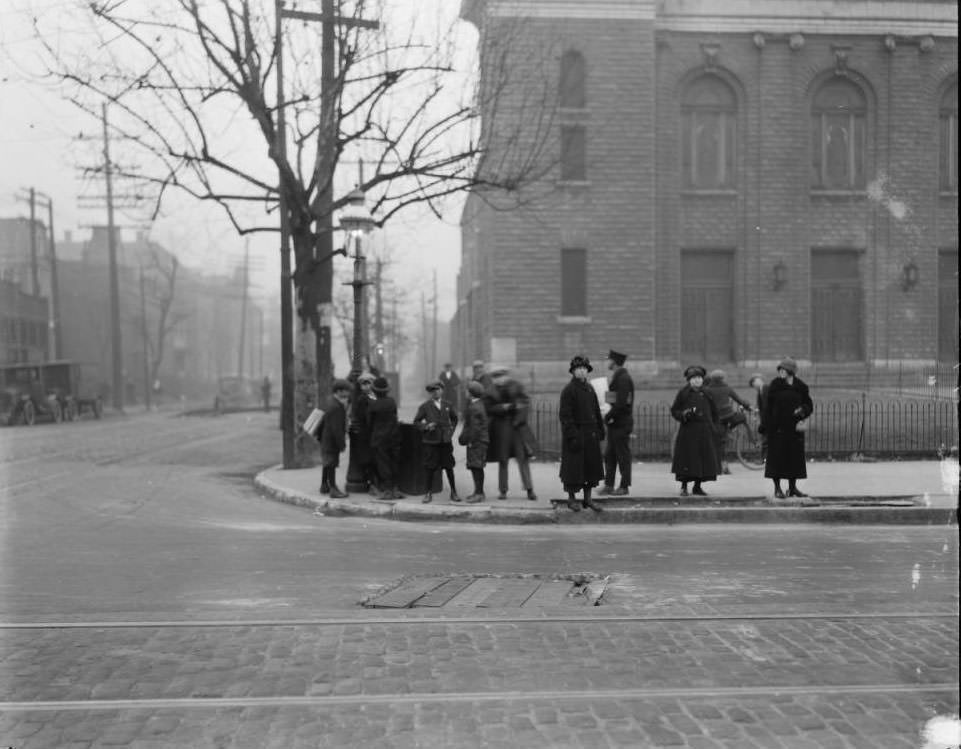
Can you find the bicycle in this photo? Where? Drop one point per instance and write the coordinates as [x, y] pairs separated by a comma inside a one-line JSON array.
[[743, 438]]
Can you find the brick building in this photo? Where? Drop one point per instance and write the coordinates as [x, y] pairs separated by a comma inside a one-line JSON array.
[[734, 181]]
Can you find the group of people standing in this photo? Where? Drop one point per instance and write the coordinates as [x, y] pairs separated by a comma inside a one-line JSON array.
[[705, 410], [494, 408]]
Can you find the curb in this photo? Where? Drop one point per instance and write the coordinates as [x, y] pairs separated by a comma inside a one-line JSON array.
[[651, 511]]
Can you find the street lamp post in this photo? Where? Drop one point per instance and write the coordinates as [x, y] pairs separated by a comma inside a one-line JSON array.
[[356, 221]]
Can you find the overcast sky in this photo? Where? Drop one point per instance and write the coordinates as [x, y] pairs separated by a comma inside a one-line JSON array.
[[39, 148]]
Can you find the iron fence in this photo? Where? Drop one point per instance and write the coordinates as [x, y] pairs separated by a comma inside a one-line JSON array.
[[838, 428]]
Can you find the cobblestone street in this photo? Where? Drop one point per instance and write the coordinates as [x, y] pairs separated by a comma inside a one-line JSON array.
[[151, 599]]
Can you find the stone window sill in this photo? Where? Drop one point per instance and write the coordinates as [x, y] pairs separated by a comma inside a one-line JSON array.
[[840, 194], [574, 184], [574, 319], [948, 193], [708, 192]]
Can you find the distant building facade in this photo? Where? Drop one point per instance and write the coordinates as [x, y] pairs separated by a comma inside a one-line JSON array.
[[203, 340], [735, 181]]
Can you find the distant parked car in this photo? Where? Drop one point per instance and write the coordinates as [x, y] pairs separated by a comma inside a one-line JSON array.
[[53, 391], [237, 394]]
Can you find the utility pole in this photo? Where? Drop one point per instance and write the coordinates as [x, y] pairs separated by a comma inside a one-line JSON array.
[[146, 342], [379, 319], [34, 197], [433, 345], [323, 279], [423, 335], [115, 339], [243, 309], [34, 269]]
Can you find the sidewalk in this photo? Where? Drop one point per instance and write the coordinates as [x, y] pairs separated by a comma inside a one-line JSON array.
[[908, 492]]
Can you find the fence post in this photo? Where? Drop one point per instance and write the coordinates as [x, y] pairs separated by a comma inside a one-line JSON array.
[[864, 408]]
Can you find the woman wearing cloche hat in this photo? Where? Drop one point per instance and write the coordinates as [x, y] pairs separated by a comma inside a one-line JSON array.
[[788, 406], [695, 455], [582, 466]]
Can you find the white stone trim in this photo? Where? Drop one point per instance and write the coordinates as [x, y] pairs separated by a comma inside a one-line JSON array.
[[626, 10], [810, 17]]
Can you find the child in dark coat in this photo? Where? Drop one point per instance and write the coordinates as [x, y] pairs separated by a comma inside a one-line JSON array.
[[333, 438], [437, 419], [476, 436]]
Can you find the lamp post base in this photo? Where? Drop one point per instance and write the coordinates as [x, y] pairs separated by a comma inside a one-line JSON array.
[[356, 480]]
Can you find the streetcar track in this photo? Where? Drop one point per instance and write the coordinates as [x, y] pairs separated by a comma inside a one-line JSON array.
[[415, 620], [447, 697]]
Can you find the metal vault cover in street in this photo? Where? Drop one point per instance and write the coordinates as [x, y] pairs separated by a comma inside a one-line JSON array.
[[464, 590]]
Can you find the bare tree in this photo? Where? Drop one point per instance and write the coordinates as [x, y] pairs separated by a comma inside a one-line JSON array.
[[163, 269], [192, 86]]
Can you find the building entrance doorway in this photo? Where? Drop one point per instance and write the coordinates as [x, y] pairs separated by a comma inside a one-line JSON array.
[[707, 306], [837, 332]]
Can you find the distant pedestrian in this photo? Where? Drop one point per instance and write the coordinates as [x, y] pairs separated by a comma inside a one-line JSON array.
[[333, 438], [452, 387], [437, 420], [729, 416], [583, 429], [511, 437], [361, 454], [788, 406], [384, 430], [620, 424], [265, 388], [695, 455], [475, 435], [756, 381]]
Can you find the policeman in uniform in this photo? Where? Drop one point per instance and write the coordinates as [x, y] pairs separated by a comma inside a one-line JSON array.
[[620, 424]]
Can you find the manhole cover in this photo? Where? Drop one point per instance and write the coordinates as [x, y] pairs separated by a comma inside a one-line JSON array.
[[490, 592]]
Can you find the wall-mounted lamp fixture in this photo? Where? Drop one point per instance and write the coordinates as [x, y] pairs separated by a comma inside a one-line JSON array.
[[909, 276], [780, 276]]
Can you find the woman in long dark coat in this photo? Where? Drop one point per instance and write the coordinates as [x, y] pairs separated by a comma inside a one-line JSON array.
[[695, 455], [788, 402], [582, 466]]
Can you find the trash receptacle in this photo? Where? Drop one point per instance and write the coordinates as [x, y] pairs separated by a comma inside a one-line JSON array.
[[410, 470]]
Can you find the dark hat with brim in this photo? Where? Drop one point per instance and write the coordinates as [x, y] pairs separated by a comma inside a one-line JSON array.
[[580, 361], [475, 388], [617, 357], [694, 371], [500, 370], [341, 385], [381, 385], [788, 364], [432, 386]]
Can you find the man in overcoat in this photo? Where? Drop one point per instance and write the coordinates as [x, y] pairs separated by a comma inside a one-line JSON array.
[[788, 404], [583, 429], [695, 454], [452, 389], [507, 407], [620, 423], [384, 432]]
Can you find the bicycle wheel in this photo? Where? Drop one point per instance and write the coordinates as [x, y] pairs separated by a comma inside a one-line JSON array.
[[747, 446]]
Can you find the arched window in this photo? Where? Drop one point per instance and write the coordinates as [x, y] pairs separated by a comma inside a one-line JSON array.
[[949, 138], [573, 81], [838, 116], [709, 134]]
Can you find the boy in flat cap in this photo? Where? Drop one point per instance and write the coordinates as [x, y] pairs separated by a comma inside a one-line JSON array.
[[620, 424], [333, 438], [437, 419], [475, 435]]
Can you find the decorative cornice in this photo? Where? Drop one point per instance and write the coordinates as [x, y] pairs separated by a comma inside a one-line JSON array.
[[900, 17], [620, 10]]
